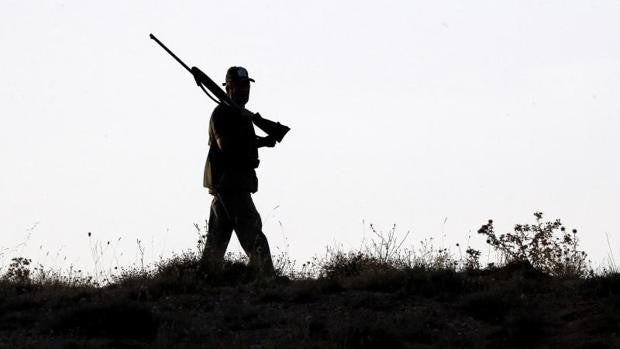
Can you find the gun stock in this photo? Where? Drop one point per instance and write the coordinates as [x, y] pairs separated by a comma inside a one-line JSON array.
[[273, 129]]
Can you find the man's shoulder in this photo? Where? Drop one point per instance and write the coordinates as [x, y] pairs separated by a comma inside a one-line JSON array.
[[223, 110], [224, 116]]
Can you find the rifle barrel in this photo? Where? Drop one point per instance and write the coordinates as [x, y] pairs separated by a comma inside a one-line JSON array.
[[170, 52]]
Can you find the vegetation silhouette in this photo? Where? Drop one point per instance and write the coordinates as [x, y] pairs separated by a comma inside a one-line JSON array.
[[384, 294]]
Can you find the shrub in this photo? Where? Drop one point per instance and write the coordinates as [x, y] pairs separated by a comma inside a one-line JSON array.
[[472, 262], [341, 264], [19, 270], [547, 246]]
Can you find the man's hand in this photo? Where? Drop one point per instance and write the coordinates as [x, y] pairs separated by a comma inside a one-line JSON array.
[[198, 75], [265, 142]]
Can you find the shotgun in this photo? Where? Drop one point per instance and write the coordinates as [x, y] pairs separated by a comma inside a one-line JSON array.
[[273, 129]]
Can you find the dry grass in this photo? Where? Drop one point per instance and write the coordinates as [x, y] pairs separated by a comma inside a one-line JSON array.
[[381, 295]]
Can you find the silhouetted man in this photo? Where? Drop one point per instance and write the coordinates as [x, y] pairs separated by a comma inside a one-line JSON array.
[[231, 178]]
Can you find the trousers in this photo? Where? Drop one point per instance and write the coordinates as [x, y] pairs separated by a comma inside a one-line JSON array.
[[235, 210]]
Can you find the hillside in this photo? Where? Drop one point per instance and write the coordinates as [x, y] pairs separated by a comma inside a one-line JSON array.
[[542, 294], [356, 303]]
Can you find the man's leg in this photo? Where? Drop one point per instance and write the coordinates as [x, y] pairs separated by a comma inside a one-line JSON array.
[[219, 231], [248, 226]]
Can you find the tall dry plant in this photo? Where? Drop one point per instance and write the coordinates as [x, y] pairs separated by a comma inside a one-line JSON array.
[[547, 246]]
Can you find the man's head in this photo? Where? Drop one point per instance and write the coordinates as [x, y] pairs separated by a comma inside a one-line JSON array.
[[238, 85]]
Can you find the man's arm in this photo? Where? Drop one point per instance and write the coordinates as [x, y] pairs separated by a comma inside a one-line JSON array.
[[265, 142], [268, 141], [221, 144], [221, 128], [220, 139]]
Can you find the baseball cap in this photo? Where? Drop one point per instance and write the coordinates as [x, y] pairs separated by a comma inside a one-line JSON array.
[[237, 74]]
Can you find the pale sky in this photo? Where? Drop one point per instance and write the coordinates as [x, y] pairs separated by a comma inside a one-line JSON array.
[[431, 115]]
